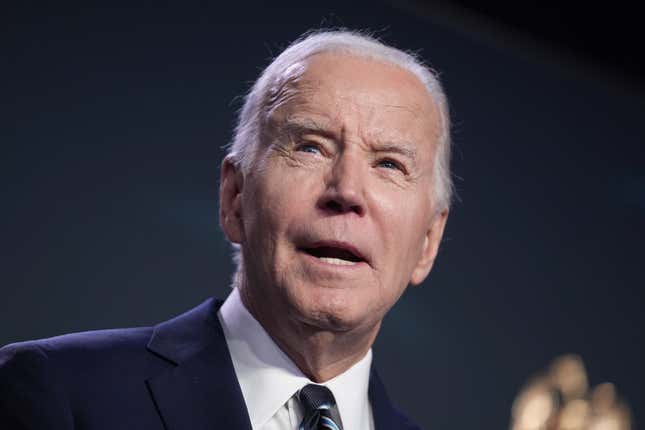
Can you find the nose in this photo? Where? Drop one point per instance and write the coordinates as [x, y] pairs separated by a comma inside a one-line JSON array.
[[344, 187]]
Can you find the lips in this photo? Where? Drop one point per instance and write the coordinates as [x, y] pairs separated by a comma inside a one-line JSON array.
[[333, 252]]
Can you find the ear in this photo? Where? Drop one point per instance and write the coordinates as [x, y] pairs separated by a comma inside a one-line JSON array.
[[231, 183], [430, 247]]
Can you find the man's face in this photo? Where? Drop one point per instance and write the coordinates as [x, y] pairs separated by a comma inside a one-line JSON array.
[[336, 218]]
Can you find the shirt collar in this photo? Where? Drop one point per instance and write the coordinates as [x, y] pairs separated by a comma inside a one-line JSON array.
[[268, 378]]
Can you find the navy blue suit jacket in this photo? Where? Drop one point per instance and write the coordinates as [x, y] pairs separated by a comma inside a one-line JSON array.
[[176, 375]]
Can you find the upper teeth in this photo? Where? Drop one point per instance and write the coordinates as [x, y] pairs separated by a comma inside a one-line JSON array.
[[333, 260]]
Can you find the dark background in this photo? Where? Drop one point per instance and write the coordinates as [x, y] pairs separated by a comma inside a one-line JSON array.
[[113, 121]]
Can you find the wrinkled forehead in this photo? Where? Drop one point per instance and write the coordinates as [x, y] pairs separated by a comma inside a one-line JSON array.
[[336, 90]]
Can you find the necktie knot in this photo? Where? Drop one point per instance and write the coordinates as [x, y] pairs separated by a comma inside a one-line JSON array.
[[314, 397], [320, 410]]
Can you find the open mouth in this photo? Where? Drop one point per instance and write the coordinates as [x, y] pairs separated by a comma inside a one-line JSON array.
[[335, 255]]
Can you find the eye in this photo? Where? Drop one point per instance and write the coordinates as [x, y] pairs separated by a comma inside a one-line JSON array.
[[390, 164], [309, 147]]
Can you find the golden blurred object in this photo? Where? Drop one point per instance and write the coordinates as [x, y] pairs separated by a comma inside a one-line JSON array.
[[574, 415], [534, 407], [560, 399], [603, 397], [567, 373], [617, 418]]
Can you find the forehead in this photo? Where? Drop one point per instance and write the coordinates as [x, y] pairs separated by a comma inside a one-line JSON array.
[[371, 98]]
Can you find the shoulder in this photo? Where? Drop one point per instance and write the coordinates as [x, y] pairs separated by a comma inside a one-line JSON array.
[[73, 356], [39, 378], [114, 351], [100, 376], [76, 350]]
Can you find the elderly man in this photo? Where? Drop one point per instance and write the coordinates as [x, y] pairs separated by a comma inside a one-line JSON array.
[[335, 193]]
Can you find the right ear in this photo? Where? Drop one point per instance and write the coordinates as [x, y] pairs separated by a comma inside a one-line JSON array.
[[231, 183]]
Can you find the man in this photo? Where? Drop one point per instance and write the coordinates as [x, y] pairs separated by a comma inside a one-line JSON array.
[[335, 192]]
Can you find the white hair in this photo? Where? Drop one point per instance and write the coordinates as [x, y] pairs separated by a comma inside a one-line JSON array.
[[270, 88], [273, 80]]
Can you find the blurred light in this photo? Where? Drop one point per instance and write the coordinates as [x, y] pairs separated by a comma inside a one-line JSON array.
[[603, 397], [569, 376], [561, 400], [574, 415], [533, 408]]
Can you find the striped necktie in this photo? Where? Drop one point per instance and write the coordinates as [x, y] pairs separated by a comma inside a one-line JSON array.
[[320, 408]]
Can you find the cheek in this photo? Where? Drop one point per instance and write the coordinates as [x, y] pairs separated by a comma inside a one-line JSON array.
[[277, 200], [405, 222], [282, 207]]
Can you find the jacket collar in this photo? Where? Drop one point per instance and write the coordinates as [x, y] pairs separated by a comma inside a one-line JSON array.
[[200, 390], [386, 416]]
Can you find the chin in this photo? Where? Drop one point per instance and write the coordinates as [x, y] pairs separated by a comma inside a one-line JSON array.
[[334, 310]]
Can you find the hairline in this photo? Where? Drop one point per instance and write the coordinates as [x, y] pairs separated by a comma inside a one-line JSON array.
[[290, 64]]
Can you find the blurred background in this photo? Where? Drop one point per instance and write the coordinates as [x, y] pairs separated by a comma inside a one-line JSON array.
[[113, 121]]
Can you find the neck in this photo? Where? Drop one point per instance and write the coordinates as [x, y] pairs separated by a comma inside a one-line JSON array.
[[320, 353]]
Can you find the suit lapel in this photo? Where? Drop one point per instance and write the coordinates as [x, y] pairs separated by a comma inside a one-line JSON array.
[[200, 389], [386, 417]]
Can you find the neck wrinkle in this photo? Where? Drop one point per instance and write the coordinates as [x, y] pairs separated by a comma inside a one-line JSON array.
[[319, 354]]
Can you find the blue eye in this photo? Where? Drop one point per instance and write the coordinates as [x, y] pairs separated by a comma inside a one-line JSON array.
[[309, 147], [389, 164]]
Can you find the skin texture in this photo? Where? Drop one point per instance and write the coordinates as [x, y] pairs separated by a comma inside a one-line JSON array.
[[346, 160]]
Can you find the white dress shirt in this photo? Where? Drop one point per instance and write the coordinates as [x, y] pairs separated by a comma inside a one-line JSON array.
[[270, 381]]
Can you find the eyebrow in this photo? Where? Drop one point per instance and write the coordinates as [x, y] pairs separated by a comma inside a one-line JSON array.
[[300, 125], [398, 148]]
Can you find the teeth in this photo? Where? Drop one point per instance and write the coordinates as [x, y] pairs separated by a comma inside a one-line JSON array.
[[338, 261]]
